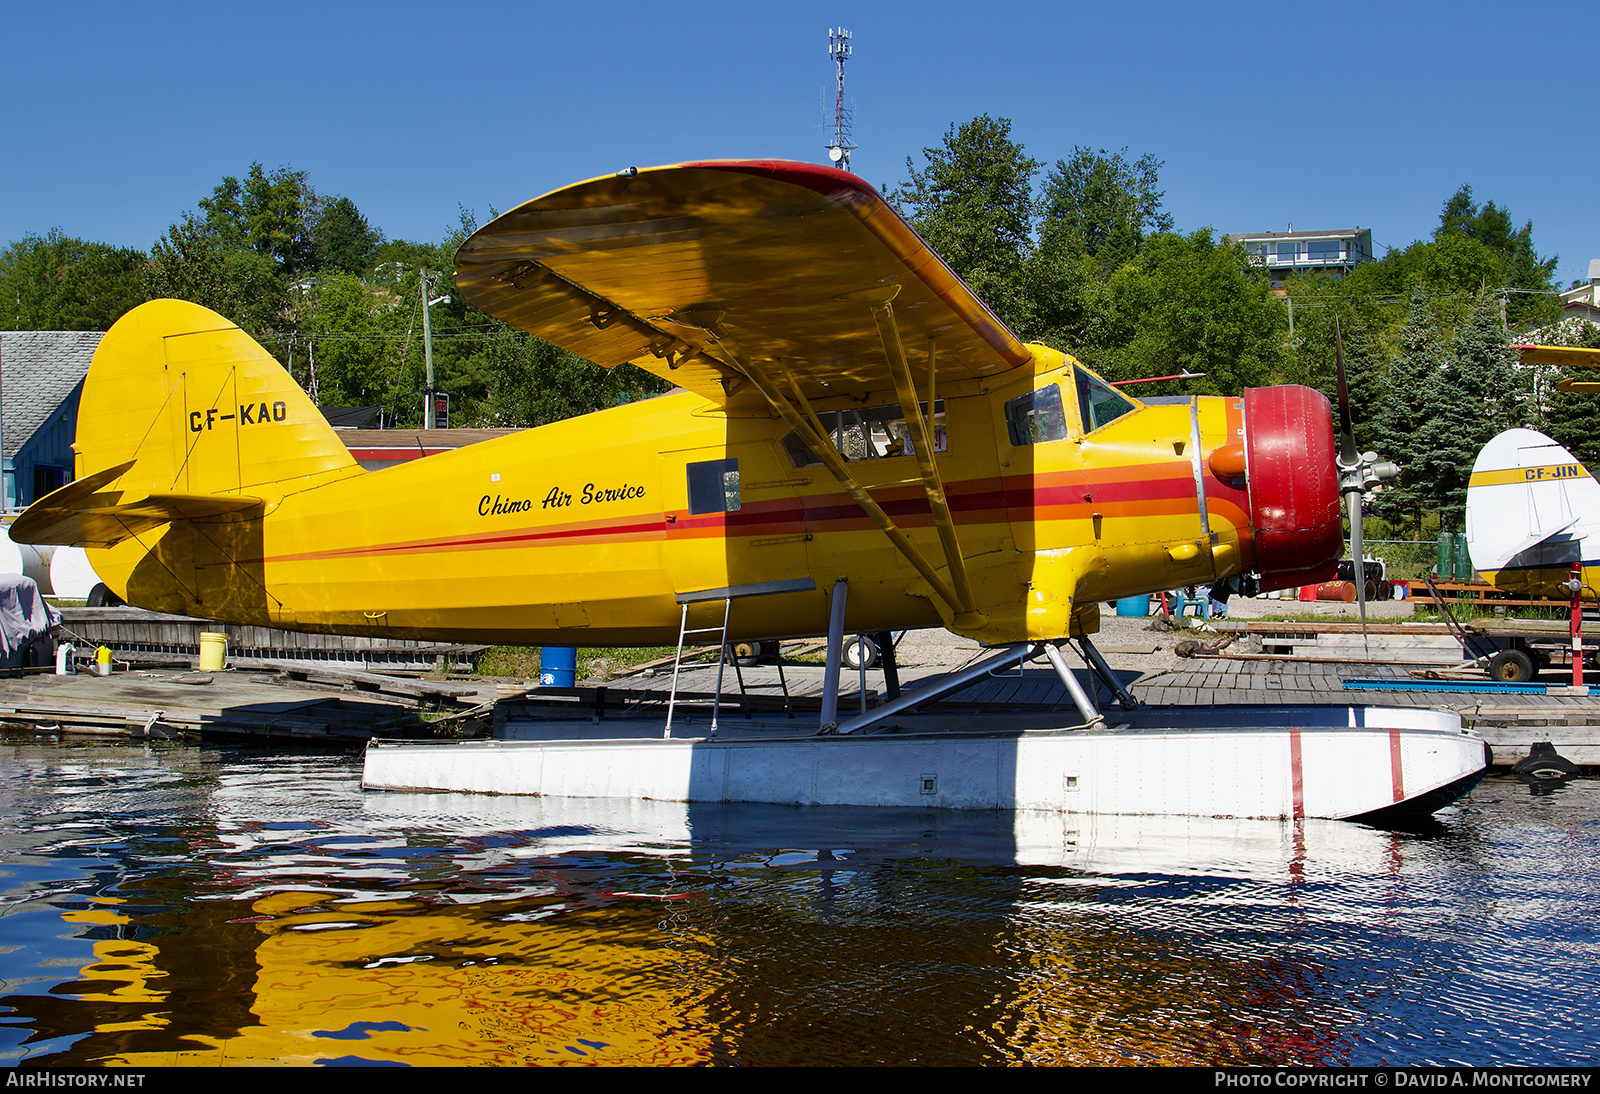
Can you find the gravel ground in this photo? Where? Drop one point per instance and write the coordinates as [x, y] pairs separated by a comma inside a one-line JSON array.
[[1142, 645]]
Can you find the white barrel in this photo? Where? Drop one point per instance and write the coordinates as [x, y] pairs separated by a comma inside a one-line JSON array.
[[26, 559], [71, 576]]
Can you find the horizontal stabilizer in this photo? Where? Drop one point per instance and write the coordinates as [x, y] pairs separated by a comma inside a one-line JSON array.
[[86, 513], [1553, 547]]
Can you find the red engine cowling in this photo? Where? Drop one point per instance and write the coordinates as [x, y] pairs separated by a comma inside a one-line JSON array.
[[1293, 485]]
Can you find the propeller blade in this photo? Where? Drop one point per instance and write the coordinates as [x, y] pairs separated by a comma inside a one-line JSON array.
[[1361, 565]]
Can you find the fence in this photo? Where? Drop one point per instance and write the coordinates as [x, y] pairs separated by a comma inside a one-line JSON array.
[[1407, 559]]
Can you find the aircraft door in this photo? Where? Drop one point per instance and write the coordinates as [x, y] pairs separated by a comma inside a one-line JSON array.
[[733, 521]]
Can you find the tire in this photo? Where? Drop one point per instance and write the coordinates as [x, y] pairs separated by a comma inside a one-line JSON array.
[[1511, 667], [1544, 764], [102, 597], [859, 650], [744, 654]]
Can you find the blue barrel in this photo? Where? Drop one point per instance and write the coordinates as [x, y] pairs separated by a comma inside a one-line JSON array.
[[1137, 607], [558, 666]]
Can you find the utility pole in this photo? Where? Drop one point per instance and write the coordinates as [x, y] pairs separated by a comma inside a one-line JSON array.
[[427, 345], [426, 285], [839, 51]]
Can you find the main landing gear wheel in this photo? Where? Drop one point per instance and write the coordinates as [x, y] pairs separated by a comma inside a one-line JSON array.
[[861, 651], [1511, 667], [102, 597], [746, 654]]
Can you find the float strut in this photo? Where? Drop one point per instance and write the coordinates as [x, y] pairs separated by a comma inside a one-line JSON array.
[[835, 655], [947, 685], [1080, 700], [1103, 670]]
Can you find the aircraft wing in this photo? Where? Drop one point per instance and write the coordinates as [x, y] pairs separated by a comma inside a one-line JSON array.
[[1569, 356], [687, 270]]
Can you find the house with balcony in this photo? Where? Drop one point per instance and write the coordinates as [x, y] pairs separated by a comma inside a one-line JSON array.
[[1336, 251]]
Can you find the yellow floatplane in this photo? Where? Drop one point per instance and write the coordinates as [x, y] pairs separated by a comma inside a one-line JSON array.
[[855, 442]]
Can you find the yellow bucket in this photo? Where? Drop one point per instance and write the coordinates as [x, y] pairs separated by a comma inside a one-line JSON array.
[[213, 651]]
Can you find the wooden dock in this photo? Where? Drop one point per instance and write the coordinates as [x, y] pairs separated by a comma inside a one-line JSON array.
[[137, 635], [323, 701], [229, 706], [1510, 723]]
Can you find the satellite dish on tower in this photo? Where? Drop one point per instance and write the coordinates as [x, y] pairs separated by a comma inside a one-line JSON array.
[[836, 154]]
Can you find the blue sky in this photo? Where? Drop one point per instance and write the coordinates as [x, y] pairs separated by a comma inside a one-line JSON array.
[[120, 116]]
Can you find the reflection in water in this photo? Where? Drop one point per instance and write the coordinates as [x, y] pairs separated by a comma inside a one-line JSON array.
[[178, 905]]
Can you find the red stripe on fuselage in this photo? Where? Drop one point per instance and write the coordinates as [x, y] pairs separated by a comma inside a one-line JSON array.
[[1062, 495]]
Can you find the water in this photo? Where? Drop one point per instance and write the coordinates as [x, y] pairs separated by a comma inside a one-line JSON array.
[[173, 904]]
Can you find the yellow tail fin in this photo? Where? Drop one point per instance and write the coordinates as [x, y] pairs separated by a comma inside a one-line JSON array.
[[184, 419]]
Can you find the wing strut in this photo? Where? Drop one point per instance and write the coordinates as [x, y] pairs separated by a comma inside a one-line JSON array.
[[878, 301], [817, 441]]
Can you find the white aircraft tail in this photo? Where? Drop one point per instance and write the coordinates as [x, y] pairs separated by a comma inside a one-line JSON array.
[[1529, 503]]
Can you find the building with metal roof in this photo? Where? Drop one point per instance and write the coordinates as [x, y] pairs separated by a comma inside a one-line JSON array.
[[41, 374]]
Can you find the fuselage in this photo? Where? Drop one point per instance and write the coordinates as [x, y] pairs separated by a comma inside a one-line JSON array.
[[586, 531]]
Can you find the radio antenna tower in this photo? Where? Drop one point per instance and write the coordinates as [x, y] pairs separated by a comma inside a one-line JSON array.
[[839, 52]]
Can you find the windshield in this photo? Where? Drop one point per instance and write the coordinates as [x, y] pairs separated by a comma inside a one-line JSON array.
[[1100, 403]]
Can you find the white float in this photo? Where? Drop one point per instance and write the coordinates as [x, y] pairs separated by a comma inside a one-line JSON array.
[[1332, 762]]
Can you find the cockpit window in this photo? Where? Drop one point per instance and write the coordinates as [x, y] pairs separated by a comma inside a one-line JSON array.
[[1036, 417], [875, 433], [1100, 402]]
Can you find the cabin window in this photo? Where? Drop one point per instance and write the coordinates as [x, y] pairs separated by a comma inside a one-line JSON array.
[[713, 487], [871, 434], [1036, 417], [1100, 402]]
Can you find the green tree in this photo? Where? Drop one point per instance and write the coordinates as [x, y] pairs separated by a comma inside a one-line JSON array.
[[56, 282], [344, 240], [533, 382], [1483, 350], [273, 215], [1571, 418], [1469, 399], [1099, 204], [355, 335], [1198, 306], [193, 262], [973, 203], [1397, 428], [1517, 265], [1185, 303], [1366, 366]]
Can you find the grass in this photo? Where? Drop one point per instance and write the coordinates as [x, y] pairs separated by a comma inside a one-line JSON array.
[[522, 662]]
